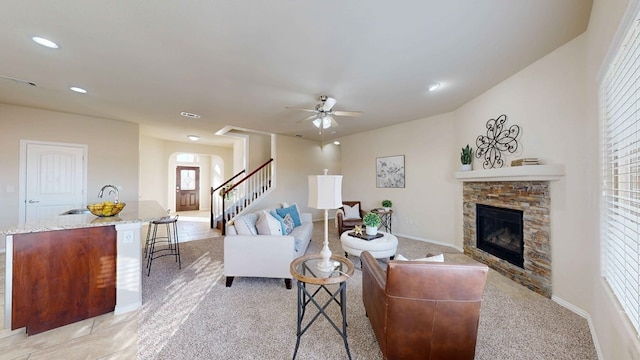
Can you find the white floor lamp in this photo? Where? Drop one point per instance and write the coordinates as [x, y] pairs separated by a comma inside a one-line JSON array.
[[325, 192]]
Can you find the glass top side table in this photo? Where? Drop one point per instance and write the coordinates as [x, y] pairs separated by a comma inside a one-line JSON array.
[[305, 270]]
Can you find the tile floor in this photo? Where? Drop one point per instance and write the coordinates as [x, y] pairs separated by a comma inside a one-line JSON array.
[[102, 337]]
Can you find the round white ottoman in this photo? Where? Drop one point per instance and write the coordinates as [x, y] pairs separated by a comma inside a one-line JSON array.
[[381, 247]]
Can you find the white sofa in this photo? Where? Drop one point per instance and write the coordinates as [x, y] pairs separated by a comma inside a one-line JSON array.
[[264, 255]]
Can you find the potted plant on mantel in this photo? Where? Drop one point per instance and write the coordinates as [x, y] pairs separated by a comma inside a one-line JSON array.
[[386, 204], [465, 158], [371, 221]]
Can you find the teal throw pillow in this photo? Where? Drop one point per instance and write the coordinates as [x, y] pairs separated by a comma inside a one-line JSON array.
[[293, 211]]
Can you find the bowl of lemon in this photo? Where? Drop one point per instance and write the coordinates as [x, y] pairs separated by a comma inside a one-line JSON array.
[[106, 208]]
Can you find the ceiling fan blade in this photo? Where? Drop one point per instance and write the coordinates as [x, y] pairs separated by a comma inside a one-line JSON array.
[[328, 104], [346, 113], [301, 109], [307, 119]]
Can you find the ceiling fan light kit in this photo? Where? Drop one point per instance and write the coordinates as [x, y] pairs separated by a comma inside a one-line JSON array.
[[323, 118], [325, 122]]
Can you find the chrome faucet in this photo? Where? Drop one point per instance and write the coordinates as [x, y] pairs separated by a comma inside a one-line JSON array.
[[114, 190]]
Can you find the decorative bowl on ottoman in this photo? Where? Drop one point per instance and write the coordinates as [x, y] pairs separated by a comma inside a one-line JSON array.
[[106, 208]]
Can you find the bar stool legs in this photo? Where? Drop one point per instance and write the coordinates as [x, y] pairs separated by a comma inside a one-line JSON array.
[[172, 244]]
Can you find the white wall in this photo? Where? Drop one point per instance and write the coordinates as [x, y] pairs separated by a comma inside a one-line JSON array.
[[547, 101], [614, 333], [259, 150], [157, 168], [153, 175], [295, 160], [112, 151], [424, 208]]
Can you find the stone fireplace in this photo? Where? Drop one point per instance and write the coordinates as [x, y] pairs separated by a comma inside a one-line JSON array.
[[515, 193]]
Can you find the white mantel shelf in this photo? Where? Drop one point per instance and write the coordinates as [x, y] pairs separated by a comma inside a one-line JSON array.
[[514, 173]]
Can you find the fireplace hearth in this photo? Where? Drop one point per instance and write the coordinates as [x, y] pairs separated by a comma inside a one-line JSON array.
[[499, 232]]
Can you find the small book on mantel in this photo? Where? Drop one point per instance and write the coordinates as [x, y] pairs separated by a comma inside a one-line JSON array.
[[525, 161]]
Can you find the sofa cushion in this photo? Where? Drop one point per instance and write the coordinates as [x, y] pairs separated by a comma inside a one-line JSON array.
[[302, 236], [246, 224], [293, 211], [351, 212], [268, 225]]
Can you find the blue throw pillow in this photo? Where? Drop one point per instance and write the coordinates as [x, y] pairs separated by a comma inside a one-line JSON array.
[[281, 220], [293, 211]]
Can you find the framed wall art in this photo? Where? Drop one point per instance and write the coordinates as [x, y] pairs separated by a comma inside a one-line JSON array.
[[390, 172]]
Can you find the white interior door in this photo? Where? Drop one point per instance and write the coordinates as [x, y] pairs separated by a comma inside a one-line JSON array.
[[54, 178]]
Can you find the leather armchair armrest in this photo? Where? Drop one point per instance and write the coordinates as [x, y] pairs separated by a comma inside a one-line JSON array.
[[374, 297], [378, 275]]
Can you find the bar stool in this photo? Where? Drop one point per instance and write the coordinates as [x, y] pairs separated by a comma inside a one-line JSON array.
[[173, 246]]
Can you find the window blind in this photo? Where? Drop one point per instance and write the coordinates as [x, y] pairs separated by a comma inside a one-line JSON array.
[[620, 206]]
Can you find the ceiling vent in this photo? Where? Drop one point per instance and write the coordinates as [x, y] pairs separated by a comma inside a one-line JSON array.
[[19, 81], [190, 115]]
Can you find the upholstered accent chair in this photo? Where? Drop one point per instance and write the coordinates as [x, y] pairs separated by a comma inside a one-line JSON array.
[[423, 310], [346, 222]]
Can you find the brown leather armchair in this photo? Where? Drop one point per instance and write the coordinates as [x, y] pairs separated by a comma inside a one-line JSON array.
[[348, 224], [423, 310]]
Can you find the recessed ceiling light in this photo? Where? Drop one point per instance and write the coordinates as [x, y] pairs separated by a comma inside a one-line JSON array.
[[78, 89], [434, 86], [193, 137], [336, 142], [45, 42], [190, 115]]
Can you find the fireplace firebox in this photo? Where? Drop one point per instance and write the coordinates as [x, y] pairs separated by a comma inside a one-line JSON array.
[[499, 232]]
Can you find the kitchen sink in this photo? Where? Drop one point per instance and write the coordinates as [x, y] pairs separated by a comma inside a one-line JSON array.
[[76, 212]]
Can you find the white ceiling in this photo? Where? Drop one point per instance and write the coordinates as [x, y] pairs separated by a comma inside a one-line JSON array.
[[240, 63]]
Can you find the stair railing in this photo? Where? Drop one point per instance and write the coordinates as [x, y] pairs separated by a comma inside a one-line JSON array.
[[239, 196], [216, 202]]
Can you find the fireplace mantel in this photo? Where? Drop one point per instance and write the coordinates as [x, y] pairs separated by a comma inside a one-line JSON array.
[[514, 173]]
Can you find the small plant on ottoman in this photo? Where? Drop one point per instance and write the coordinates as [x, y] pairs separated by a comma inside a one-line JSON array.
[[371, 221]]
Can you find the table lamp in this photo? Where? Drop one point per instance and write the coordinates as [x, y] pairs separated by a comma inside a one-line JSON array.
[[325, 192]]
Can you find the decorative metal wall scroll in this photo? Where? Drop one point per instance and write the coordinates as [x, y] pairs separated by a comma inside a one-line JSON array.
[[497, 141]]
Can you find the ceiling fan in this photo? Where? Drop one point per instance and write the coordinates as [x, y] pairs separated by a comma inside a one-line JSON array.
[[323, 113]]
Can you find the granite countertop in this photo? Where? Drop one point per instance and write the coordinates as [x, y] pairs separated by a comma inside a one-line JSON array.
[[133, 212]]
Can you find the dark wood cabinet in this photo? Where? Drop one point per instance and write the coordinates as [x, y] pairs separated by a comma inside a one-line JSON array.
[[62, 276]]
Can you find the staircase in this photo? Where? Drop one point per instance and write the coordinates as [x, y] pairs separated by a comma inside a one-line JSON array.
[[236, 195]]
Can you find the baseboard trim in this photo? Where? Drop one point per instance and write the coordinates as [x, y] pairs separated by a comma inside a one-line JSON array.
[[125, 309], [564, 303], [578, 311]]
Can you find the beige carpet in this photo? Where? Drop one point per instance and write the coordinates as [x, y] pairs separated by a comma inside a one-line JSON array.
[[190, 314]]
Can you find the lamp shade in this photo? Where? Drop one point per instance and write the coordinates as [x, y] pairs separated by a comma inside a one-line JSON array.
[[325, 191]]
